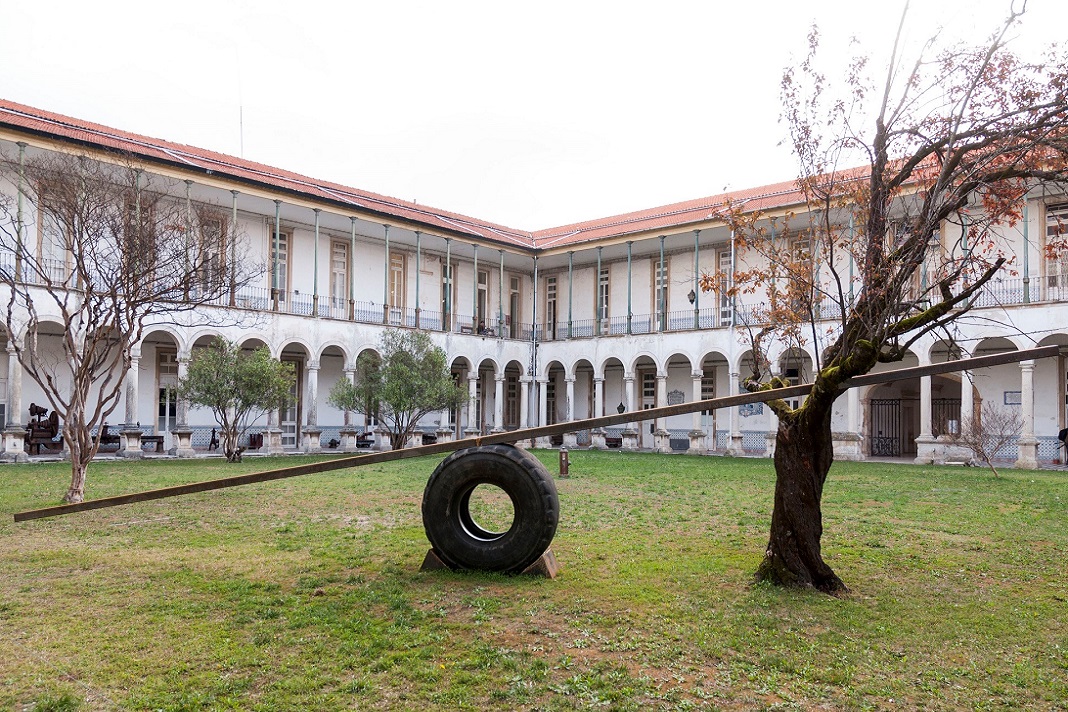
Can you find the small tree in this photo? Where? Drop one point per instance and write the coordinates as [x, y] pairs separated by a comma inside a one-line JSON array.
[[358, 397], [238, 386], [104, 249], [986, 435], [412, 382]]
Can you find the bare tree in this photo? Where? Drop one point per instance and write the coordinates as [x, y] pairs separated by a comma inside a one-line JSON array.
[[993, 429], [881, 255], [103, 249]]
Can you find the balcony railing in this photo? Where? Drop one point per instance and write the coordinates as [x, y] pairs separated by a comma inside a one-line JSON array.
[[999, 292]]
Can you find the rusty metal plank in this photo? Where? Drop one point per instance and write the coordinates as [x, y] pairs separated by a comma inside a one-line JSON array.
[[540, 431]]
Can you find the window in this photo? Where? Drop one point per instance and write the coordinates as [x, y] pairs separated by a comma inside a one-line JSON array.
[[1057, 230], [483, 296], [138, 237], [723, 270], [397, 291], [167, 375], [708, 390], [514, 316], [339, 274], [280, 259], [211, 268], [660, 291], [550, 308], [511, 401], [448, 294], [550, 401], [53, 246], [602, 294]]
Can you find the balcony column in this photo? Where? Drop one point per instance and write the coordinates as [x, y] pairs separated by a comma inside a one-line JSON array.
[[348, 430], [598, 307], [697, 436], [274, 254], [630, 286], [311, 433], [472, 429], [14, 432], [448, 276], [661, 290], [543, 409], [232, 266], [475, 316], [696, 277], [130, 435], [182, 435], [352, 268], [498, 403], [597, 435], [570, 289], [630, 433], [315, 267], [570, 439], [418, 269], [500, 298], [385, 285], [661, 438], [1027, 458], [925, 441]]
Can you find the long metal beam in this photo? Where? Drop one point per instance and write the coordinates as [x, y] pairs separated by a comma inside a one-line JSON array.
[[340, 463]]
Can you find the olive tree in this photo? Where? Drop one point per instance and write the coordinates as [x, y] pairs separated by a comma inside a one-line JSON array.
[[238, 386]]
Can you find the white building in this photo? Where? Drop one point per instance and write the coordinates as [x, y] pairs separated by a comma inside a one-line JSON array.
[[579, 320]]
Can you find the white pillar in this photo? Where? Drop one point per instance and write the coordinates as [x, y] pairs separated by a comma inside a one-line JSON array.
[[524, 401], [1027, 457], [543, 410], [312, 433], [472, 396], [571, 438], [597, 435], [14, 432], [130, 436], [925, 441], [967, 397], [348, 430], [498, 403], [182, 436]]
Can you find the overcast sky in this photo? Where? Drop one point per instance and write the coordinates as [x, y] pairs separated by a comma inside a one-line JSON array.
[[531, 114]]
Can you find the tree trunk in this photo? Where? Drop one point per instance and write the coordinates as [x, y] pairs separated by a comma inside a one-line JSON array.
[[76, 491], [803, 455], [230, 447]]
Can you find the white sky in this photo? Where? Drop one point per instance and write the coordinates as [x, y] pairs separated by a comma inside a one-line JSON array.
[[529, 114]]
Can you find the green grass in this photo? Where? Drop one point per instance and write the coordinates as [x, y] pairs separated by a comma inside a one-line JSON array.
[[306, 594]]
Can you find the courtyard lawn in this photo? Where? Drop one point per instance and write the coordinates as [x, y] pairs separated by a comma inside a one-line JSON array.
[[306, 594]]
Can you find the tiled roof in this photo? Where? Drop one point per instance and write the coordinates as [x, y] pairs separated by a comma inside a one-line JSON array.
[[667, 217]]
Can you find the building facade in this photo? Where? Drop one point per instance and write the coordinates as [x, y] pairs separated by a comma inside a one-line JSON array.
[[543, 327]]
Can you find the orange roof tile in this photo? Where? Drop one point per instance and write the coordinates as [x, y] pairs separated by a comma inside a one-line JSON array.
[[676, 215]]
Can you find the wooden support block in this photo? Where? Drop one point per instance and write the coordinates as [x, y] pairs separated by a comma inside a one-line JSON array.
[[545, 566]]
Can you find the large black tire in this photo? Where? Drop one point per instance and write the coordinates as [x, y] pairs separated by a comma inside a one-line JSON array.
[[458, 541]]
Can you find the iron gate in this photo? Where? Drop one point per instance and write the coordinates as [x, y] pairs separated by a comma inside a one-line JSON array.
[[886, 427]]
